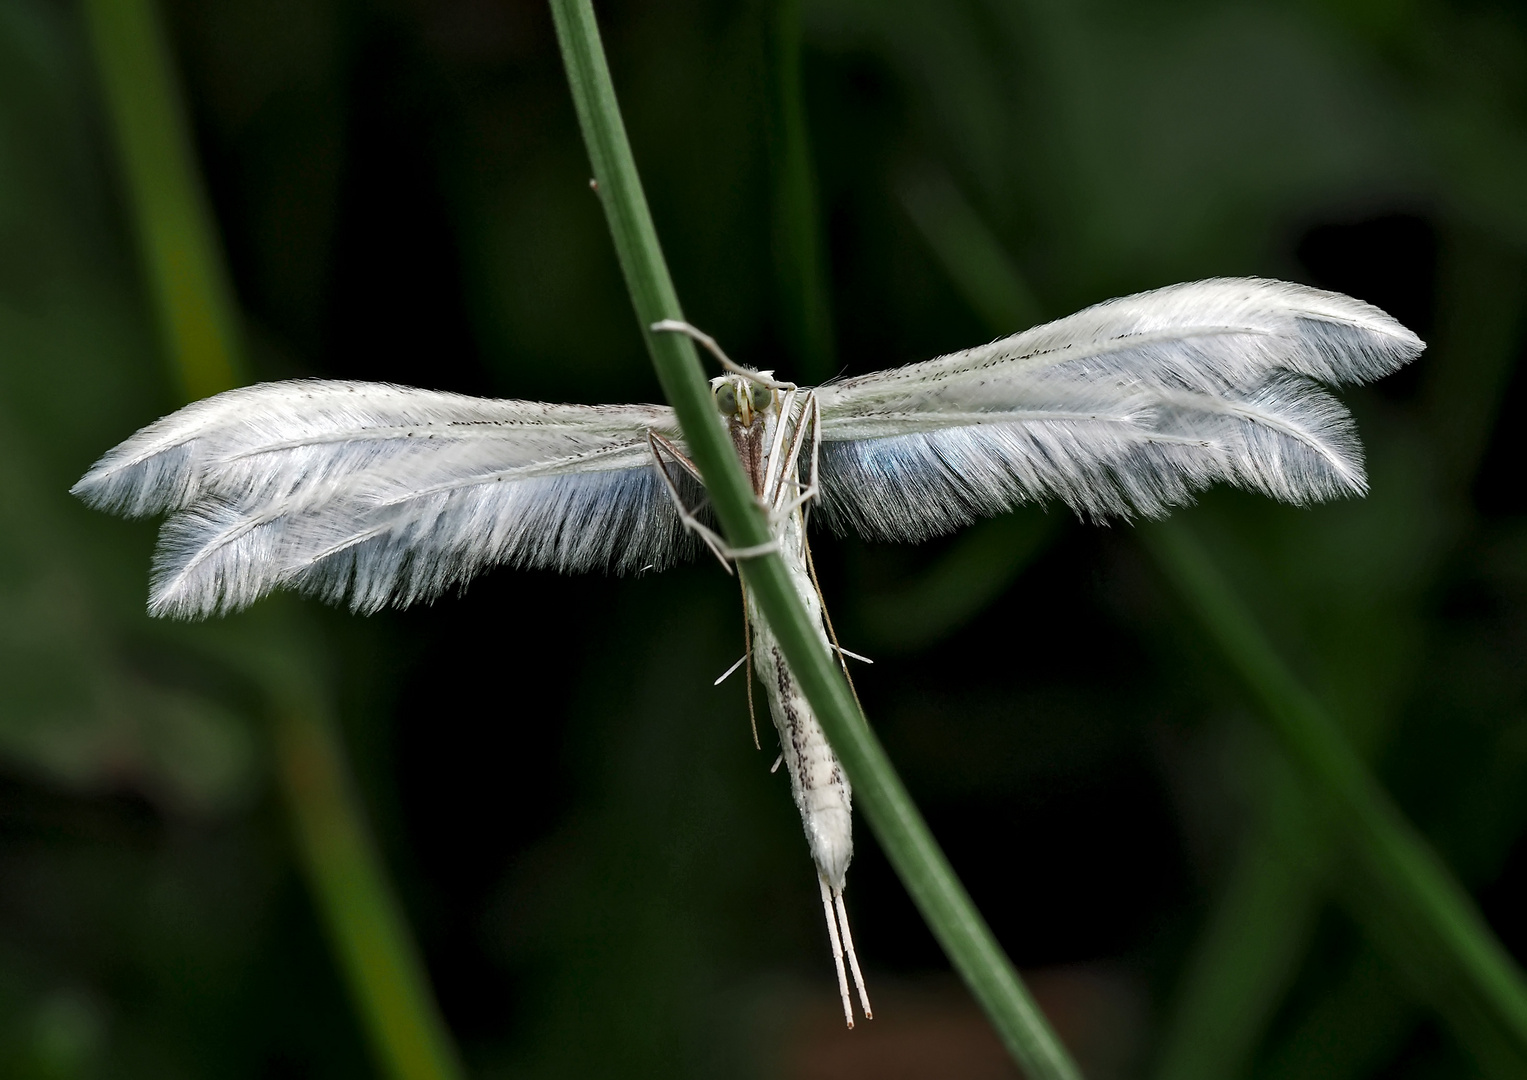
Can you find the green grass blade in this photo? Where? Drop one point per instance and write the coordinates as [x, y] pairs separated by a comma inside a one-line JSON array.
[[1357, 1025], [978, 567], [968, 252], [176, 235], [1244, 959], [895, 820], [1425, 906], [1410, 903], [365, 922], [1362, 1019], [800, 264], [197, 313], [1250, 950]]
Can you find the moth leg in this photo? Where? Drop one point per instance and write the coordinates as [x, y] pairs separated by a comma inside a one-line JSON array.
[[658, 445], [837, 950], [853, 958], [798, 501], [811, 568], [811, 413], [718, 546], [774, 477], [679, 326], [747, 654], [727, 674], [811, 418], [679, 457]]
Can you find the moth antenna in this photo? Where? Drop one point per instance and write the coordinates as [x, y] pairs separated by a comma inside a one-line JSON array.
[[853, 958], [837, 951], [694, 333]]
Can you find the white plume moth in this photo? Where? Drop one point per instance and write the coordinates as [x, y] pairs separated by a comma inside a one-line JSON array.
[[376, 494]]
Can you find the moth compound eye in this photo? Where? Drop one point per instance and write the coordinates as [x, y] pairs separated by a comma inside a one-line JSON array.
[[726, 399], [761, 397]]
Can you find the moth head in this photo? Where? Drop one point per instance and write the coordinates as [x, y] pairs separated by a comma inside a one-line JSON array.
[[740, 398]]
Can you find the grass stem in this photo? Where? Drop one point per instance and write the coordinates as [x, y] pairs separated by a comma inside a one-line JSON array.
[[893, 817], [176, 236], [189, 282], [1418, 902], [365, 922], [800, 260], [1411, 906]]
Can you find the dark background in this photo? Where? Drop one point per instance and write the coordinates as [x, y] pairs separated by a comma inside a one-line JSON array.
[[604, 878]]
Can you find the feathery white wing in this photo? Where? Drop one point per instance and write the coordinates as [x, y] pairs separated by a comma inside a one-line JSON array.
[[1126, 407], [384, 494]]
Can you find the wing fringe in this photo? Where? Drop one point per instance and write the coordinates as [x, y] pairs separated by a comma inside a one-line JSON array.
[[217, 557]]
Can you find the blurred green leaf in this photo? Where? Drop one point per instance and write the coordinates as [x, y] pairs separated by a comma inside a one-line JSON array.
[[964, 245], [800, 262], [81, 701], [194, 301], [978, 567], [1413, 902], [1428, 924]]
